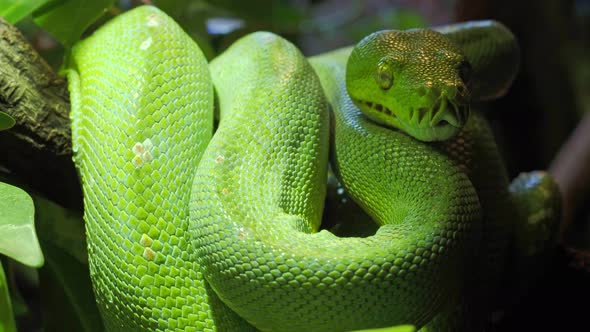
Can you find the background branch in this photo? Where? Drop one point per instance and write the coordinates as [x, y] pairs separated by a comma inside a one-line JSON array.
[[571, 169]]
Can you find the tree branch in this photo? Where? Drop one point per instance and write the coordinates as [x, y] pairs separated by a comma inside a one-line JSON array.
[[571, 169], [37, 151]]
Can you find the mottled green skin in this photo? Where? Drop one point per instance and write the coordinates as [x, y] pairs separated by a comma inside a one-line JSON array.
[[141, 77], [181, 230], [537, 200], [421, 81], [256, 205], [411, 80], [506, 214]]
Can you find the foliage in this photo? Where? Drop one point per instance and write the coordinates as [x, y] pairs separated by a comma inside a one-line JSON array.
[[69, 303], [15, 10], [6, 319], [7, 323], [18, 239], [66, 20], [6, 121], [17, 226], [399, 328]]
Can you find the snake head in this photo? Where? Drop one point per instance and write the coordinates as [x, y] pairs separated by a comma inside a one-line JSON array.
[[414, 80]]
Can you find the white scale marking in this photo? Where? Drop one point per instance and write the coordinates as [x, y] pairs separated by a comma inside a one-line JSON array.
[[143, 153], [146, 43]]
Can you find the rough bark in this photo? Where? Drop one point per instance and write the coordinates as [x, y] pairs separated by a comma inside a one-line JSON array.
[[37, 151]]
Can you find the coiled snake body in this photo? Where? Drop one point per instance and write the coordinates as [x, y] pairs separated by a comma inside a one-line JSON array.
[[188, 232]]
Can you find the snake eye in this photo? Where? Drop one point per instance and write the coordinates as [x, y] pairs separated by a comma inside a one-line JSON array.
[[384, 75], [465, 71]]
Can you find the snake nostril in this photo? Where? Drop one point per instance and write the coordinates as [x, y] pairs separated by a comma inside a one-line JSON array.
[[461, 89]]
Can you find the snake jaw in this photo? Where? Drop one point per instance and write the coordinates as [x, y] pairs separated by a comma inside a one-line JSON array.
[[446, 111], [446, 120], [380, 113], [437, 123]]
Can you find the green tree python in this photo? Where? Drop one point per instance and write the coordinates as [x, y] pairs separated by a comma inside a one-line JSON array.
[[190, 231]]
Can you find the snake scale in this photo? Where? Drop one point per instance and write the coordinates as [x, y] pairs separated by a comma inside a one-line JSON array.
[[190, 231]]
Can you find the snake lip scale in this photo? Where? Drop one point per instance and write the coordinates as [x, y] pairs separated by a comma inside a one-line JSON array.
[[418, 116]]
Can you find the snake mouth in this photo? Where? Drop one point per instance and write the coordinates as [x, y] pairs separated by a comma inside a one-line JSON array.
[[442, 113], [446, 112], [446, 118], [442, 120]]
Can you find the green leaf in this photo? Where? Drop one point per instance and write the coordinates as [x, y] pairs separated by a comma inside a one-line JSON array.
[[6, 121], [399, 328], [20, 278], [66, 291], [15, 10], [17, 226], [62, 227], [68, 300], [7, 323], [66, 20]]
